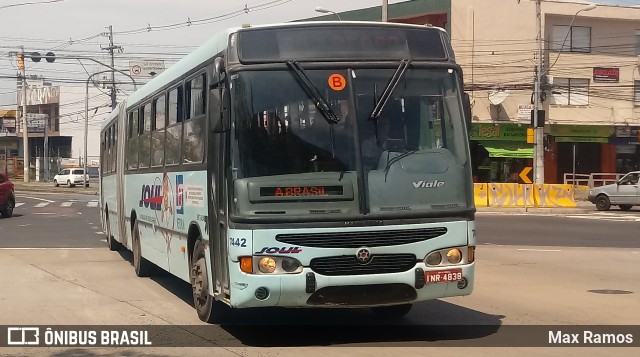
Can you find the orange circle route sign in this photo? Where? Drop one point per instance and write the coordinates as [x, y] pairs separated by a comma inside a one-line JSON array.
[[337, 82]]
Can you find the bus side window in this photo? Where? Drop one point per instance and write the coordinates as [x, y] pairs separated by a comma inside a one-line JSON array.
[[132, 143], [194, 126], [114, 153], [145, 136], [174, 127], [157, 136]]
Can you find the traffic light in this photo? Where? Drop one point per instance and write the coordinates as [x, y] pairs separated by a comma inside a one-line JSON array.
[[541, 113], [20, 61]]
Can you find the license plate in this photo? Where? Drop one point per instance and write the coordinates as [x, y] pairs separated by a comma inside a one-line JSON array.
[[443, 276]]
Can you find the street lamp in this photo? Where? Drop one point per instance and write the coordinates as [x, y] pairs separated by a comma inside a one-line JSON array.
[[538, 159], [327, 11]]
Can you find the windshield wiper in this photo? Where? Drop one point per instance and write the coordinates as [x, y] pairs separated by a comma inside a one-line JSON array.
[[312, 91], [391, 86], [396, 159]]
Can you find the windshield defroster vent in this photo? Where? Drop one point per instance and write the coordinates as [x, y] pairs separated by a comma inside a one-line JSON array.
[[361, 239]]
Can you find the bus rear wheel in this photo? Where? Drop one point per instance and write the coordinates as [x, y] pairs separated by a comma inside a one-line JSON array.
[[111, 243], [392, 312], [209, 310], [143, 267]]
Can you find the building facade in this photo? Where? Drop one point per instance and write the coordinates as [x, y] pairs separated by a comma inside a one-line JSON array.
[[590, 88]]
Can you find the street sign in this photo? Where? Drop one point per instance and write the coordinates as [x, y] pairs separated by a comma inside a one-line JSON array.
[[146, 68], [524, 175]]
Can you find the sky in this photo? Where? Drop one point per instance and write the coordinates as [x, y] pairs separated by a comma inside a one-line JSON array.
[[146, 29]]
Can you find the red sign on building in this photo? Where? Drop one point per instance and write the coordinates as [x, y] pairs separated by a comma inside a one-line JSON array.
[[601, 74]]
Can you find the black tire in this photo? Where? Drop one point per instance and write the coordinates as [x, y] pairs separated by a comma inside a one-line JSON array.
[[7, 210], [603, 203], [142, 267], [55, 183], [392, 312], [111, 243], [209, 310], [625, 207]]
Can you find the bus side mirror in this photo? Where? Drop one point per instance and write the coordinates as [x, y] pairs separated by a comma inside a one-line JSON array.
[[219, 120], [466, 107]]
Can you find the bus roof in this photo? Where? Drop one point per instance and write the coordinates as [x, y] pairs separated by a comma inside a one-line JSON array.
[[219, 42]]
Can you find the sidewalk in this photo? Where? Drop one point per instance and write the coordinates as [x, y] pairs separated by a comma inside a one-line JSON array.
[[34, 186]]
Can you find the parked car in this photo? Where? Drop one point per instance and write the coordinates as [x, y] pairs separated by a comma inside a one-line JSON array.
[[7, 196], [624, 193], [70, 177]]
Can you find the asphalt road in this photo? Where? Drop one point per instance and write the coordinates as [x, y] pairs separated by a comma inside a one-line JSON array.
[[531, 270], [55, 220]]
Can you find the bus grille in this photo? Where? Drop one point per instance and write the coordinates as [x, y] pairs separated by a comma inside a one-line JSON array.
[[349, 265], [361, 239]]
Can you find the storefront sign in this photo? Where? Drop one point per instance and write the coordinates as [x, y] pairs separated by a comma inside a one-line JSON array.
[[626, 132], [524, 111], [510, 132], [598, 131], [580, 139], [606, 75]]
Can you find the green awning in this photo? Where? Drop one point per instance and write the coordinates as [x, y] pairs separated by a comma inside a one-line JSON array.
[[508, 149]]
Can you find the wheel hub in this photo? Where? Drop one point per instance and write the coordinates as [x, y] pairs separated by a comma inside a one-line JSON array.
[[200, 279]]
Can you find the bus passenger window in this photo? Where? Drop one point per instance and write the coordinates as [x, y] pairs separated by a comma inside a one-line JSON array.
[[174, 129], [132, 143], [157, 136], [145, 136]]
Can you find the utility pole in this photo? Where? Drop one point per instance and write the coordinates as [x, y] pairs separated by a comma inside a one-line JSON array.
[[538, 145], [25, 132], [385, 8], [111, 49]]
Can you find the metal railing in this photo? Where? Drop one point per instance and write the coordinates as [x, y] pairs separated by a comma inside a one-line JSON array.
[[595, 179]]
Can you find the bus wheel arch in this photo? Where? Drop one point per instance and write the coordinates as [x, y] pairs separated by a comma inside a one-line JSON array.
[[208, 309], [142, 266]]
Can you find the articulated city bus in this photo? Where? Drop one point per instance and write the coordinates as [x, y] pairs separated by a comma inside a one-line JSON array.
[[312, 164]]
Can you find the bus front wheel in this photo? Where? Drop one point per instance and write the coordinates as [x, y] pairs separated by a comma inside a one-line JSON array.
[[209, 310], [394, 311]]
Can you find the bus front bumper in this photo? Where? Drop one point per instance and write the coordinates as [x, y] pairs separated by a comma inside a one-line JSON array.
[[310, 289]]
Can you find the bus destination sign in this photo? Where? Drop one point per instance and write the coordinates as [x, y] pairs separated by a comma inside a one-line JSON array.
[[300, 191]]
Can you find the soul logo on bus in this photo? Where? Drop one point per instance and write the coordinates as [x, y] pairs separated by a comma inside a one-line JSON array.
[[279, 250], [151, 197]]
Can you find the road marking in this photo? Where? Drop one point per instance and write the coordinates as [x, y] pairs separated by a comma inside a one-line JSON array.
[[25, 225], [36, 198], [44, 213], [92, 204], [19, 204], [540, 250], [98, 232], [40, 205], [66, 204]]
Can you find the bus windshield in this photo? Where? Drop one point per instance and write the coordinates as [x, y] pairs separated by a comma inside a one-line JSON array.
[[412, 156]]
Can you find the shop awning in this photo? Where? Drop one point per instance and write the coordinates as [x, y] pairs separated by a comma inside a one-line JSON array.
[[508, 149]]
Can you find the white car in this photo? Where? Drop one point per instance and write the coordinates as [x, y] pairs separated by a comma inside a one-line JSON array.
[[70, 177], [624, 193]]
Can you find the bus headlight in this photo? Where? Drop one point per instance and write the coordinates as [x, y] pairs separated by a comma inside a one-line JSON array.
[[267, 265], [454, 256], [450, 256], [290, 265], [434, 258]]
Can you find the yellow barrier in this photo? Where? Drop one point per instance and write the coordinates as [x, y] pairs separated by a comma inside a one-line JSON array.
[[510, 195], [480, 194], [554, 196]]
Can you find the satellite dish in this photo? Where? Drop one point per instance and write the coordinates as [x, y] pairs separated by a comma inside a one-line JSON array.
[[497, 96]]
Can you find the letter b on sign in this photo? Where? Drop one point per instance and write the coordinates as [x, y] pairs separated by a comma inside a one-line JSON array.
[[337, 82]]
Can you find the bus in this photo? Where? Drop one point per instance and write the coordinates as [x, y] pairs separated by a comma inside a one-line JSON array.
[[306, 164]]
